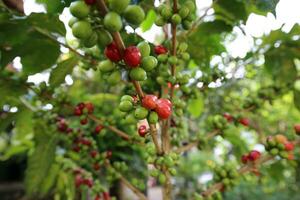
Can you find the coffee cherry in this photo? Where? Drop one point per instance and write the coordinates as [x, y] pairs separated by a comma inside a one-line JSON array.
[[184, 12], [163, 109], [244, 159], [297, 129], [88, 182], [172, 60], [125, 106], [112, 52], [118, 5], [96, 166], [166, 13], [132, 56], [138, 74], [190, 5], [228, 117], [186, 24], [91, 41], [164, 101], [114, 78], [142, 130], [98, 129], [106, 66], [130, 119], [144, 48], [160, 21], [106, 195], [113, 22], [79, 9], [77, 111], [176, 19], [244, 121], [78, 180], [108, 154], [149, 102], [97, 197], [90, 107], [281, 139], [160, 49], [185, 56], [90, 2], [93, 153], [127, 98], [72, 21], [84, 121], [134, 14], [104, 38], [291, 156], [140, 113], [289, 146], [162, 178], [254, 155], [82, 29], [153, 118], [149, 63], [274, 151]]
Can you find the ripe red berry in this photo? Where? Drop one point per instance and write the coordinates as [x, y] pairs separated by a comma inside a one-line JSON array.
[[98, 129], [76, 148], [77, 111], [228, 117], [108, 154], [90, 107], [106, 196], [81, 105], [62, 126], [289, 146], [149, 102], [244, 121], [297, 129], [93, 153], [163, 110], [78, 180], [88, 182], [90, 2], [112, 52], [142, 130], [96, 166], [164, 101], [84, 121], [77, 171], [86, 142], [254, 155], [160, 49], [97, 197], [132, 56], [244, 159]]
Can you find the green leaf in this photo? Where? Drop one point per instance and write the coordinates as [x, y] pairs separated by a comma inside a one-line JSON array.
[[52, 6], [214, 27], [50, 180], [40, 162], [63, 68], [24, 124], [195, 106], [149, 21], [232, 10], [262, 7], [10, 91]]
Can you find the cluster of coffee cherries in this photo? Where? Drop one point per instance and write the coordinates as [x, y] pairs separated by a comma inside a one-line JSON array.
[[252, 156], [184, 16], [237, 120], [149, 107], [279, 145], [92, 30], [226, 174], [136, 59], [82, 110], [218, 122]]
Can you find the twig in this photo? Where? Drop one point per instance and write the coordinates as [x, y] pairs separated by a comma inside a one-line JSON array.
[[134, 189]]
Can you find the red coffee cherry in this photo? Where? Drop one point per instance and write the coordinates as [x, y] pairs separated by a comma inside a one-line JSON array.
[[78, 180], [142, 130], [132, 56], [96, 166], [90, 107], [164, 101], [289, 146], [106, 196], [98, 129], [97, 197], [62, 126], [163, 109], [76, 148], [244, 159], [254, 155], [160, 49], [93, 153], [228, 117], [149, 102], [90, 2], [108, 154], [84, 121], [244, 121], [112, 52], [77, 111], [88, 182], [297, 129]]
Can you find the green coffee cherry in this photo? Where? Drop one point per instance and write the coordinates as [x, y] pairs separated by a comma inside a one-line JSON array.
[[138, 74], [106, 66], [153, 118], [173, 171], [140, 113], [162, 57], [114, 78], [176, 19], [127, 98], [183, 46], [172, 60], [149, 63], [186, 24], [91, 41], [274, 151], [185, 56], [104, 38], [72, 21], [130, 119], [160, 21], [134, 14], [166, 13], [125, 106], [113, 22], [118, 5], [162, 179], [79, 9], [184, 12], [82, 29], [190, 5], [144, 48], [154, 173]]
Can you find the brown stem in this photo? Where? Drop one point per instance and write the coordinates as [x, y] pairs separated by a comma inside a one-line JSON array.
[[17, 5]]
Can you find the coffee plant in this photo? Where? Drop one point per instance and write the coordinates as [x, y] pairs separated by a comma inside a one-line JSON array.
[[138, 112]]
